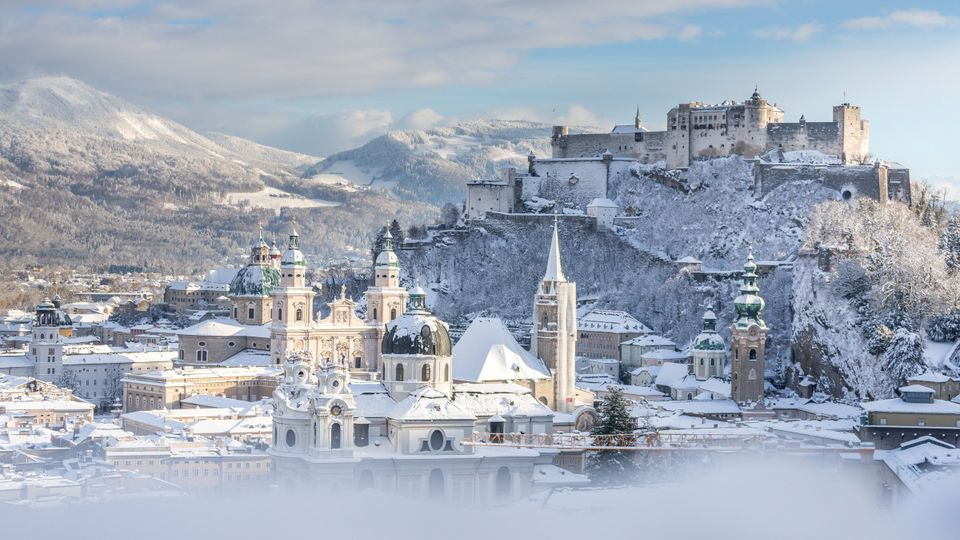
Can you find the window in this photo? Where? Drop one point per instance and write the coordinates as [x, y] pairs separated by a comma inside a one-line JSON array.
[[235, 316], [335, 436], [251, 313], [291, 438], [446, 373], [375, 314], [399, 372], [181, 354], [425, 372], [753, 354], [883, 421], [361, 435], [504, 482], [299, 314], [435, 485], [393, 314], [436, 440], [279, 314], [357, 362]]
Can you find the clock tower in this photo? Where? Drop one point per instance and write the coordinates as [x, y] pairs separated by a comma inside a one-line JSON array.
[[748, 339]]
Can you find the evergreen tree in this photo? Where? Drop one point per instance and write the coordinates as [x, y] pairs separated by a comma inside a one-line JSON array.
[[378, 244], [949, 244], [397, 232], [904, 356], [614, 428]]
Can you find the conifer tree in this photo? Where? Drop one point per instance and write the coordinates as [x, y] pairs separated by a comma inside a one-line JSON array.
[[614, 428]]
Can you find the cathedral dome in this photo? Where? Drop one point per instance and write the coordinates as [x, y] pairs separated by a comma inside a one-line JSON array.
[[293, 256], [417, 331], [388, 258], [255, 280]]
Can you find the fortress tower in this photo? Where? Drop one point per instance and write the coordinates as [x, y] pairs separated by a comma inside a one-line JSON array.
[[854, 133], [554, 337]]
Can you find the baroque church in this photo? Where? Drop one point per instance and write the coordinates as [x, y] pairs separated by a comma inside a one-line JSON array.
[[381, 401]]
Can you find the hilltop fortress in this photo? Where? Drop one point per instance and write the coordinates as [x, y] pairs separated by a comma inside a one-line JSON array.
[[698, 131], [584, 170]]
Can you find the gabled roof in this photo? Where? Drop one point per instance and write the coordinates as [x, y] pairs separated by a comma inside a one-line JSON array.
[[487, 352]]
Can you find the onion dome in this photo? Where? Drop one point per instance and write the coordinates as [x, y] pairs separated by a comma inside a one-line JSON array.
[[387, 258], [756, 94], [709, 339], [293, 256], [749, 304], [417, 331], [275, 252], [255, 280]]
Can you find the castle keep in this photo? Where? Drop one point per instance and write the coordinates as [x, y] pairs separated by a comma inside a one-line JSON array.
[[699, 131]]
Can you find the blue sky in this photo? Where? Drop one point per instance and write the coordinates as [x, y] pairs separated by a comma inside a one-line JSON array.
[[320, 77]]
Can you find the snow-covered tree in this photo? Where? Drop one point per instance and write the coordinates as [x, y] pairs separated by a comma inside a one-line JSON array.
[[945, 327], [614, 428], [397, 232], [949, 244], [904, 356]]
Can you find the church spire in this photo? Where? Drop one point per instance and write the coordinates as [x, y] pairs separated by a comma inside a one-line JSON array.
[[554, 269], [636, 119]]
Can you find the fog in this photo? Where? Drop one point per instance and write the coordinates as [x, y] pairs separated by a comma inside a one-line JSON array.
[[778, 499]]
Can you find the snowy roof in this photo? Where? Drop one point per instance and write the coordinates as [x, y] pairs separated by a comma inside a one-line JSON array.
[[715, 386], [650, 341], [931, 377], [504, 400], [627, 128], [215, 402], [120, 358], [488, 352], [652, 370], [8, 361], [671, 374], [428, 404], [371, 399], [897, 405], [248, 357], [223, 327], [688, 260], [605, 320], [916, 389], [665, 355], [602, 203], [710, 406]]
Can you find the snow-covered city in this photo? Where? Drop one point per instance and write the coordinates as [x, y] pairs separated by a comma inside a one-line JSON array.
[[486, 261]]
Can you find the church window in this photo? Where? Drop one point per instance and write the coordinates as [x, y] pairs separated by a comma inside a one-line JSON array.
[[231, 344], [425, 372], [251, 313], [335, 436], [436, 440], [235, 316], [299, 314], [435, 485], [291, 438], [712, 362], [357, 362], [399, 372], [504, 483], [753, 354], [375, 314], [393, 314], [361, 435]]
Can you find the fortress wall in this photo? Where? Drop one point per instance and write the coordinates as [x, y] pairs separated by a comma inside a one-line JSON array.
[[576, 182], [821, 136], [862, 180]]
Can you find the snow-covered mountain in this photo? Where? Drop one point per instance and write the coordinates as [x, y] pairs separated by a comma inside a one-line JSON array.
[[89, 179], [434, 165]]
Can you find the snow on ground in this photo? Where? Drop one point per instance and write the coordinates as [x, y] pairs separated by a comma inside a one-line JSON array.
[[935, 354], [275, 199], [347, 170]]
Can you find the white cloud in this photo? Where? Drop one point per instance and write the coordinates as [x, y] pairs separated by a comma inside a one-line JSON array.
[[243, 49], [322, 135], [906, 17], [578, 115], [419, 119], [802, 32]]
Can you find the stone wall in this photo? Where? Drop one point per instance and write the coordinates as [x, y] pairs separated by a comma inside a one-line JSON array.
[[849, 181]]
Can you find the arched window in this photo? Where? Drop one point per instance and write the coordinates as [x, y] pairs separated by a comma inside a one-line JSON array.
[[279, 313], [393, 314], [753, 354], [335, 436], [299, 314], [399, 373], [504, 482], [435, 485], [425, 372], [375, 314]]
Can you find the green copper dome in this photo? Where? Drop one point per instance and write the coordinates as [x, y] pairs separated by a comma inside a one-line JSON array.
[[709, 339], [749, 304], [255, 280]]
